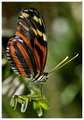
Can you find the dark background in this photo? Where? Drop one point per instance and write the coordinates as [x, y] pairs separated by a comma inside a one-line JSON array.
[[63, 89]]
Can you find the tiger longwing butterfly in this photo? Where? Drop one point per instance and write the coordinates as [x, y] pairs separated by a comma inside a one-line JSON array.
[[27, 51]]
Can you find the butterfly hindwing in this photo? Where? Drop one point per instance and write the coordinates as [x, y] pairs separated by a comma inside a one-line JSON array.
[[21, 57]]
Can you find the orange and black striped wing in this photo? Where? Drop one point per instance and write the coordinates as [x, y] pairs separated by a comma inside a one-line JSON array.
[[27, 51], [31, 25], [21, 57]]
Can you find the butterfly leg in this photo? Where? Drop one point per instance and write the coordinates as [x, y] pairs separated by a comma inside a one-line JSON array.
[[42, 85], [28, 83], [43, 82]]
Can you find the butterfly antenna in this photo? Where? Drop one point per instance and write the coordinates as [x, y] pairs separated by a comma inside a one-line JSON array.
[[61, 64]]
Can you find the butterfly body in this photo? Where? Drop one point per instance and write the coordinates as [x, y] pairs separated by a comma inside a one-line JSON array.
[[27, 51]]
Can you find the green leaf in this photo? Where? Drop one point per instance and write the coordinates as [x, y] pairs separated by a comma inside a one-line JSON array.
[[21, 100], [35, 105], [14, 101], [39, 111], [24, 105], [44, 104], [38, 108], [39, 102]]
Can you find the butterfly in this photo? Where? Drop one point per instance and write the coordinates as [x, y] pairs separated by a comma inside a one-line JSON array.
[[27, 50]]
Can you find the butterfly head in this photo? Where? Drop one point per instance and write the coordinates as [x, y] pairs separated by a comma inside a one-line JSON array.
[[41, 77]]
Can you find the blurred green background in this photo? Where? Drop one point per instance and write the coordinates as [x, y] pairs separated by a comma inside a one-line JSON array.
[[63, 89]]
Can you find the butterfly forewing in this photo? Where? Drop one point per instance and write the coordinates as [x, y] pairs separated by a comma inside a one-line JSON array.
[[27, 51]]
